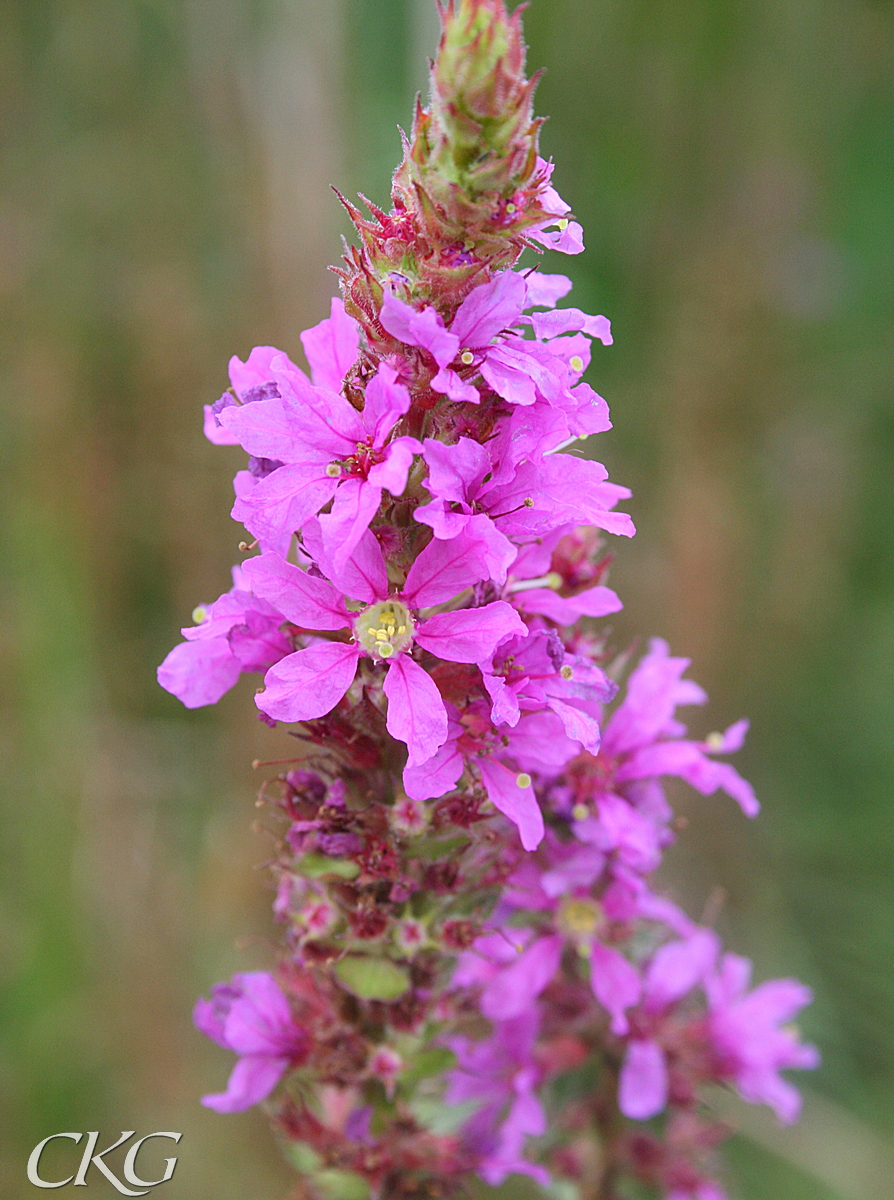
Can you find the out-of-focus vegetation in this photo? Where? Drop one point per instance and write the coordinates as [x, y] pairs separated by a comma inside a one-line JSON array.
[[164, 204]]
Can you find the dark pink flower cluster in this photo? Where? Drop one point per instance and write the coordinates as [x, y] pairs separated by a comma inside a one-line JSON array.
[[465, 842]]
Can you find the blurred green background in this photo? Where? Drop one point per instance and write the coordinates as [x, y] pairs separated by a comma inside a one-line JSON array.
[[164, 203]]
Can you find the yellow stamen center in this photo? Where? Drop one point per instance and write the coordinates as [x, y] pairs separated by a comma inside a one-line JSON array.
[[384, 630], [580, 918]]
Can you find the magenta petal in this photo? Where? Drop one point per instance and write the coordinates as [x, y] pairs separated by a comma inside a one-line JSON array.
[[200, 672], [489, 308], [616, 984], [260, 1020], [449, 384], [283, 501], [354, 506], [331, 347], [516, 987], [252, 1079], [416, 713], [414, 328], [436, 776], [392, 472], [579, 726], [208, 1019], [256, 370], [678, 966], [308, 683], [571, 320], [363, 577], [642, 1087], [307, 601], [455, 472], [213, 429], [545, 291], [517, 803], [443, 569], [470, 635], [385, 402]]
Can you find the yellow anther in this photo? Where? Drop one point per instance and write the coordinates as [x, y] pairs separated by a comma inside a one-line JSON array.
[[563, 224], [467, 358], [576, 362], [529, 502], [333, 470], [580, 918], [714, 741], [511, 208], [580, 812], [385, 629], [567, 672], [199, 613], [523, 779]]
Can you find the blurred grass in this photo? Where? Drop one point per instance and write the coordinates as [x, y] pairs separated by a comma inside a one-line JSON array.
[[163, 204]]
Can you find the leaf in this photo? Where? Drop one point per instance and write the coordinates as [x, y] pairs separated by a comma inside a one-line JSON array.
[[302, 1157], [315, 866], [425, 1063], [372, 978], [341, 1185]]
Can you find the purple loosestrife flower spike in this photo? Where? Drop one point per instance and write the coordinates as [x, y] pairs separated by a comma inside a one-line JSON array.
[[471, 805]]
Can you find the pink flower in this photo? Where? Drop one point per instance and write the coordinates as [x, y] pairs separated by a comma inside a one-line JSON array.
[[645, 737], [537, 743], [501, 1072], [523, 496], [328, 451], [238, 632], [251, 1017], [750, 1041], [251, 380], [310, 682]]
